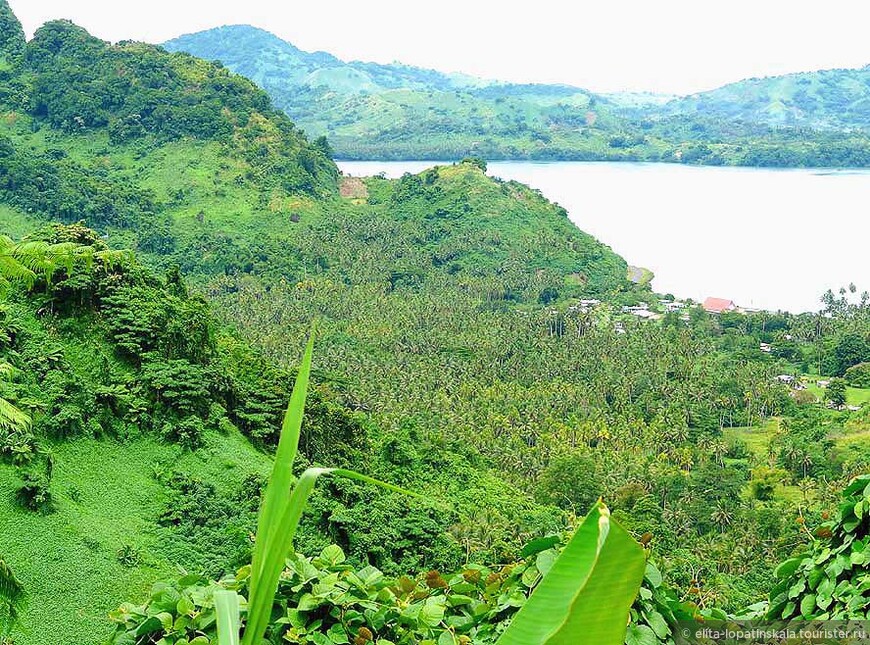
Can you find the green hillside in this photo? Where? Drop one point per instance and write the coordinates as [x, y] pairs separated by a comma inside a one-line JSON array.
[[168, 240], [144, 450], [836, 99], [369, 110]]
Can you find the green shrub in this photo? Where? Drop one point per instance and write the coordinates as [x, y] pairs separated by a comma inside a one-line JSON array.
[[858, 375], [829, 580], [187, 432], [764, 482], [34, 494], [571, 481]]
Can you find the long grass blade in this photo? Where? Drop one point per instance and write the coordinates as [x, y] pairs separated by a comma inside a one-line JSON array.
[[226, 605], [351, 474], [283, 504], [281, 547], [278, 492]]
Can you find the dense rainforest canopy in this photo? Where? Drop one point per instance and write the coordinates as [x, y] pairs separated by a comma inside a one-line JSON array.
[[168, 240]]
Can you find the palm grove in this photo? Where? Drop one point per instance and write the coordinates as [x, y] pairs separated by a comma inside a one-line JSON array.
[[142, 390]]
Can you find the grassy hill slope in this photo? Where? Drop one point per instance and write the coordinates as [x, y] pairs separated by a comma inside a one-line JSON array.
[[836, 99], [395, 111]]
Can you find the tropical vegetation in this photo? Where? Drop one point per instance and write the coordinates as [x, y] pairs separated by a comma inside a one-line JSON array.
[[168, 239]]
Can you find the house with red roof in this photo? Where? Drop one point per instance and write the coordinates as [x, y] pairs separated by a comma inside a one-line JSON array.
[[718, 305]]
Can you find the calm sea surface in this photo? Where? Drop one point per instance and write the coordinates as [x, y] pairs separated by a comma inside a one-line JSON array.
[[773, 239]]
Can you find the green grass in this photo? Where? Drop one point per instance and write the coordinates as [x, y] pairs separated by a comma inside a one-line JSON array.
[[854, 395], [15, 223], [857, 396], [106, 498], [756, 438]]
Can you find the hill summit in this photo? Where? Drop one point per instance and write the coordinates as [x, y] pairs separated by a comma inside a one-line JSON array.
[[11, 33]]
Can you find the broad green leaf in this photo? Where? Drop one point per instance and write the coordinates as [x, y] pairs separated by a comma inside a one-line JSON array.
[[150, 626], [337, 634], [797, 588], [185, 606], [653, 575], [446, 638], [658, 624], [640, 635], [457, 600], [787, 568], [319, 639], [370, 575], [601, 567], [541, 544], [808, 605], [432, 612], [332, 555], [530, 576], [857, 484]]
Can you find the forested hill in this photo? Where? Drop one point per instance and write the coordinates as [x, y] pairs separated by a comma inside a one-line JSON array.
[[830, 99], [11, 36], [179, 158], [374, 111]]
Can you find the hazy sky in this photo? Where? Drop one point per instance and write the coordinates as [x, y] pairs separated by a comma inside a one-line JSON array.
[[675, 46]]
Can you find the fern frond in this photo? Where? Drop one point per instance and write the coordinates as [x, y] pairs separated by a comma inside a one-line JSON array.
[[14, 271], [12, 598], [12, 419]]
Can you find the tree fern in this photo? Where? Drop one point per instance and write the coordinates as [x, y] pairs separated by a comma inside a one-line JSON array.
[[28, 261], [11, 598], [11, 418]]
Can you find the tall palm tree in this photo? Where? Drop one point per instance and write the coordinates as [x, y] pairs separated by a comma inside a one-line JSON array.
[[11, 599]]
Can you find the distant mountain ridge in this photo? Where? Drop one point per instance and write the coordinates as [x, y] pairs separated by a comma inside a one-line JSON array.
[[395, 111], [828, 99], [270, 61]]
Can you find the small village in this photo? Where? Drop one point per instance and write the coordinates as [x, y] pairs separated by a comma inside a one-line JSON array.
[[659, 309], [589, 312]]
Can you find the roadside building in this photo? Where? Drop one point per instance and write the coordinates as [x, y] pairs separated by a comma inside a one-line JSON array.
[[718, 305]]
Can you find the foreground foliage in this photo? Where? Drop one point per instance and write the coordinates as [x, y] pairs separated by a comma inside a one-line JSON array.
[[325, 599], [600, 561], [831, 581]]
